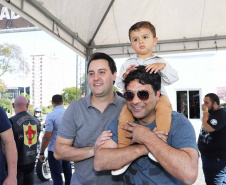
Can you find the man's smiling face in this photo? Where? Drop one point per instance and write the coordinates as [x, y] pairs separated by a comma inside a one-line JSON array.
[[100, 77], [143, 111]]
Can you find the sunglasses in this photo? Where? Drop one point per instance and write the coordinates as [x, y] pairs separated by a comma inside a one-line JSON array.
[[142, 95]]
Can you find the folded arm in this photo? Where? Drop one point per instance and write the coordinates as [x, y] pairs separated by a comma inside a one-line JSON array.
[[65, 151], [108, 156], [180, 163]]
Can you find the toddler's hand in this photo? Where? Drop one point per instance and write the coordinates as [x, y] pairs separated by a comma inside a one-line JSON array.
[[128, 70], [105, 135], [155, 67], [161, 134]]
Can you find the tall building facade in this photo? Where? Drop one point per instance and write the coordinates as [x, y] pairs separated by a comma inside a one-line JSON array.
[[47, 79]]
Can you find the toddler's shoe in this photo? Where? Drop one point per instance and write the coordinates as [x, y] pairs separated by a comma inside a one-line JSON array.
[[152, 157], [120, 171]]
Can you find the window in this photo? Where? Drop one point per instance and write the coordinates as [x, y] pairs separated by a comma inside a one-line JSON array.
[[188, 103]]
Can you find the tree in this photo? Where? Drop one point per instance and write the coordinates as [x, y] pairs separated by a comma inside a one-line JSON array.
[[26, 95], [48, 109], [6, 104], [31, 109], [7, 95], [2, 87], [83, 84], [11, 59], [69, 95]]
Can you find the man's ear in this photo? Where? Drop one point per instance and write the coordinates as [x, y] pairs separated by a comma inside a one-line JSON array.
[[13, 105], [114, 76], [215, 105], [158, 95], [155, 40]]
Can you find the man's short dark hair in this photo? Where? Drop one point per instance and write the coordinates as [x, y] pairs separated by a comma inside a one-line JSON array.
[[213, 98], [97, 56], [143, 78], [57, 99]]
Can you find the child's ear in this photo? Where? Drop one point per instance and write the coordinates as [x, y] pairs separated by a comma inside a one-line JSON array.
[[155, 40]]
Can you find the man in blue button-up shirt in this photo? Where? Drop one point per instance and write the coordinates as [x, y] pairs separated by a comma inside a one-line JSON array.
[[51, 128]]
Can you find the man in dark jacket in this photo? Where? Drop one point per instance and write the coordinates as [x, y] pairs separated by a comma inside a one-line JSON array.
[[26, 130]]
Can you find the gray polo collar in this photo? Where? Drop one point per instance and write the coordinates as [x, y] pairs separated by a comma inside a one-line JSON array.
[[88, 100]]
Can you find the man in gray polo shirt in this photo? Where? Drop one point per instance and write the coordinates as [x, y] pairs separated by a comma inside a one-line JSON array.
[[83, 123]]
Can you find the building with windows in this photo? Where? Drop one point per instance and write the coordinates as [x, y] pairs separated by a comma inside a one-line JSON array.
[[12, 92], [47, 79]]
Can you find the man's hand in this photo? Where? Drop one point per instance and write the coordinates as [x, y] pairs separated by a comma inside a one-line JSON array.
[[138, 132], [155, 67], [42, 158], [204, 108], [161, 134], [10, 180], [105, 135], [128, 70]]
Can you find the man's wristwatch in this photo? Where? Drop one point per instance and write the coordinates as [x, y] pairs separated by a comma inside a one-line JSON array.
[[42, 153]]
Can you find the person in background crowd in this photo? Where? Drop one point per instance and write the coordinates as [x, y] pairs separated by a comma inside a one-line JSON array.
[[52, 123], [212, 140], [26, 129]]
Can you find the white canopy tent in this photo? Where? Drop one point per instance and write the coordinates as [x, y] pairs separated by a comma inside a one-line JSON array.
[[102, 25]]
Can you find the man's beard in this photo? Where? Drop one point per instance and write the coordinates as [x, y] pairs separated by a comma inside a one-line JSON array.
[[211, 110]]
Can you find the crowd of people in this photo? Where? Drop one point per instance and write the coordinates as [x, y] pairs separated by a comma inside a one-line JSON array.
[[134, 139]]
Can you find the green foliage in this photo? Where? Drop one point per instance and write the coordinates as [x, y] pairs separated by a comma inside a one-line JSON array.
[[7, 95], [69, 95], [27, 96], [83, 84], [31, 109], [11, 59], [115, 88], [48, 109], [6, 104], [223, 104], [2, 86]]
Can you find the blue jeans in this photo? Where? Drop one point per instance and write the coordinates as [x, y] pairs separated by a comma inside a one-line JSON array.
[[214, 170], [57, 167]]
